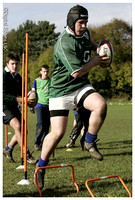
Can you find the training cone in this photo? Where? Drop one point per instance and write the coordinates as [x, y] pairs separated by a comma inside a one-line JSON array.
[[20, 167], [24, 182]]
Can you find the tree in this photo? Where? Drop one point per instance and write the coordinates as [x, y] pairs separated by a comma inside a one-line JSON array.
[[119, 33], [113, 80], [34, 66], [41, 36], [118, 77]]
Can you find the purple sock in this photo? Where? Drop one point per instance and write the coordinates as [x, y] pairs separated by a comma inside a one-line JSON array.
[[90, 138], [42, 163]]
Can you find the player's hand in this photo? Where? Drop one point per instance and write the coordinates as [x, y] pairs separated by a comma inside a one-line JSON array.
[[101, 60], [30, 101], [32, 110], [104, 62]]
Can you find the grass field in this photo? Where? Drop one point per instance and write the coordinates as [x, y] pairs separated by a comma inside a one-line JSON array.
[[115, 144]]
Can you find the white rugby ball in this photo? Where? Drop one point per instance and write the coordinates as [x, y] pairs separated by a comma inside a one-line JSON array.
[[105, 48], [32, 95]]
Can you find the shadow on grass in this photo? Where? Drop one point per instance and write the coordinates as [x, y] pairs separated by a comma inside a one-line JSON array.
[[55, 192], [100, 187], [127, 143], [112, 144]]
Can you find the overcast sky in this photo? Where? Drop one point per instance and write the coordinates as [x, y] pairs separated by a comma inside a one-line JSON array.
[[99, 13]]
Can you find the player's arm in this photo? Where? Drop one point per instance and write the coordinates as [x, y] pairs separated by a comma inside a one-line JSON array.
[[34, 86], [96, 60], [94, 45], [19, 99]]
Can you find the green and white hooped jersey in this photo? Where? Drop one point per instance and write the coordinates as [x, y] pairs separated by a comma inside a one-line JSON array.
[[70, 53]]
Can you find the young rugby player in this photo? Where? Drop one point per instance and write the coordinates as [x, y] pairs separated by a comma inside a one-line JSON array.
[[12, 91], [70, 86]]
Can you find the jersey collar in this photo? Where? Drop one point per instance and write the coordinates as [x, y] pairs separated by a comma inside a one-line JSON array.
[[71, 33], [7, 70]]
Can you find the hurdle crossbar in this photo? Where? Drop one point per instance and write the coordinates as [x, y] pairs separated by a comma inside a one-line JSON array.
[[55, 166], [106, 177]]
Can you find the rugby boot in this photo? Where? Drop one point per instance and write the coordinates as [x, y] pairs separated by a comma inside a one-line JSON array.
[[82, 140], [8, 154], [31, 159], [40, 178], [93, 150], [70, 144]]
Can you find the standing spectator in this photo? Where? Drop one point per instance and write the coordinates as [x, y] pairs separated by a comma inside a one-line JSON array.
[[41, 86]]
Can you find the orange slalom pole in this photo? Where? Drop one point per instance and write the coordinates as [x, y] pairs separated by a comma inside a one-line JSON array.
[[6, 134], [55, 166], [26, 91], [22, 113], [106, 177]]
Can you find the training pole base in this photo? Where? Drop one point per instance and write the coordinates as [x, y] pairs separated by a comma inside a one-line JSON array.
[[24, 182], [20, 167]]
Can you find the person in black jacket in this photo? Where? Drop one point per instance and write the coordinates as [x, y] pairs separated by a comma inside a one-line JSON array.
[[12, 91]]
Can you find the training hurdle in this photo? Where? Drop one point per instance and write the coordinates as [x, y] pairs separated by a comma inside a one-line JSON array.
[[55, 166], [103, 178]]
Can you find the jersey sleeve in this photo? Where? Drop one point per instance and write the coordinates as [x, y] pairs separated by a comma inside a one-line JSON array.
[[9, 98], [34, 87], [69, 56]]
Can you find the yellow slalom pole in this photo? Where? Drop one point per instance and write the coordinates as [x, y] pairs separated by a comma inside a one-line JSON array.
[[22, 114], [26, 92]]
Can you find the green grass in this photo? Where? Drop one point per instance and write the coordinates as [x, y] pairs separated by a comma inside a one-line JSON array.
[[115, 144]]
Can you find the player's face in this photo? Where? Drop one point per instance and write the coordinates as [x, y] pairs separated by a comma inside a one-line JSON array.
[[44, 73], [80, 26], [12, 66]]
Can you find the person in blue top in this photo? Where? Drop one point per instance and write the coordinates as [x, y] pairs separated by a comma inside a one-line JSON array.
[[41, 86]]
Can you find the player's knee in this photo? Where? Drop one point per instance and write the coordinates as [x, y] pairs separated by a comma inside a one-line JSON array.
[[58, 134], [17, 126], [103, 109]]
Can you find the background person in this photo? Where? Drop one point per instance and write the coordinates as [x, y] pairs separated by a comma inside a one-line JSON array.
[[12, 91], [80, 126], [41, 86]]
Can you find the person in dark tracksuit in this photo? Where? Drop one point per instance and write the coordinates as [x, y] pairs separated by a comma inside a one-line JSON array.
[[12, 91]]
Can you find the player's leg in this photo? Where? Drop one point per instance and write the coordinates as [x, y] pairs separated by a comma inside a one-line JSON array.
[[97, 104], [39, 127], [58, 129], [98, 107], [7, 151], [76, 129], [46, 124], [13, 118], [85, 118], [15, 124]]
